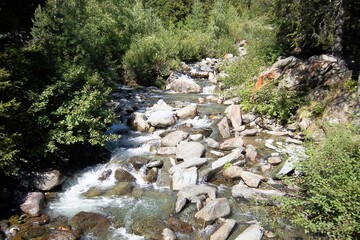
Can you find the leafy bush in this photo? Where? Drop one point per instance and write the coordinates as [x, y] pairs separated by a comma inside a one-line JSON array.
[[329, 200]]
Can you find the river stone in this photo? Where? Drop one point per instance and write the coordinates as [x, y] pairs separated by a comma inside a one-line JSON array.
[[250, 152], [232, 172], [155, 164], [161, 105], [274, 160], [47, 180], [229, 144], [168, 234], [224, 128], [188, 150], [196, 137], [120, 189], [137, 161], [212, 143], [174, 138], [166, 151], [251, 179], [179, 226], [190, 111], [234, 155], [184, 84], [248, 118], [184, 177], [34, 204], [217, 153], [246, 192], [90, 223], [224, 231], [233, 112], [162, 119], [93, 192], [193, 194], [138, 122], [215, 209], [122, 175], [105, 175], [254, 232], [187, 164], [62, 235], [149, 228], [151, 175], [249, 132]]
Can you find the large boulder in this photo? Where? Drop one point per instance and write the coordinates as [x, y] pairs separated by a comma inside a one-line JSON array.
[[251, 179], [149, 228], [34, 204], [189, 150], [246, 192], [179, 226], [162, 119], [168, 234], [174, 138], [122, 175], [215, 209], [231, 143], [184, 84], [47, 180], [189, 111], [232, 172], [166, 151], [184, 177], [90, 223], [233, 112], [195, 194], [138, 121]]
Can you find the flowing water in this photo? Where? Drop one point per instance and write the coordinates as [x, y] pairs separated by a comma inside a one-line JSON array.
[[147, 203]]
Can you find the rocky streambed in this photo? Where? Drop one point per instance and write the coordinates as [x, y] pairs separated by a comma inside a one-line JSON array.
[[189, 165]]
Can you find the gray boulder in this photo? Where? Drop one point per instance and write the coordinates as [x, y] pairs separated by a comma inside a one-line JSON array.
[[184, 177], [234, 155], [162, 119], [189, 111], [224, 128], [224, 231], [233, 112], [187, 164], [251, 179], [246, 192], [215, 209], [184, 84], [195, 194], [229, 144], [168, 234], [138, 122], [251, 152], [174, 138], [166, 151], [188, 150], [212, 143], [232, 172], [34, 204], [47, 180]]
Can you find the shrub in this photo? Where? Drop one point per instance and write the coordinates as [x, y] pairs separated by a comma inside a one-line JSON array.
[[329, 200]]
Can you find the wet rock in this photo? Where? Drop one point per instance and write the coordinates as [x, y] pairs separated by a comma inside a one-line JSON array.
[[174, 138], [137, 162], [60, 235], [162, 119], [248, 118], [93, 192], [184, 84], [120, 189], [179, 226], [149, 228], [36, 232], [34, 204], [151, 175], [234, 155], [187, 164], [206, 232], [166, 151], [190, 111], [233, 112], [90, 223], [224, 231], [168, 234], [188, 150], [138, 121], [212, 143], [232, 172], [215, 209], [224, 128], [246, 192], [105, 175], [251, 179], [184, 177], [122, 175], [251, 152], [229, 144], [47, 180], [254, 232], [274, 160], [38, 221]]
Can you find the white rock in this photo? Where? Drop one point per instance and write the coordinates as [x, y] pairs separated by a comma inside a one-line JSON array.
[[188, 150], [174, 138], [234, 155], [187, 164], [251, 179], [254, 232], [162, 119], [189, 111], [215, 209], [184, 177], [224, 128], [224, 231]]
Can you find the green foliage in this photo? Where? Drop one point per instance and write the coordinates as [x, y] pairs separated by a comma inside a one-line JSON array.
[[329, 200]]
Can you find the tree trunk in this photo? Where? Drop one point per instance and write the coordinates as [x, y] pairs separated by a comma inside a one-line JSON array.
[[339, 28]]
